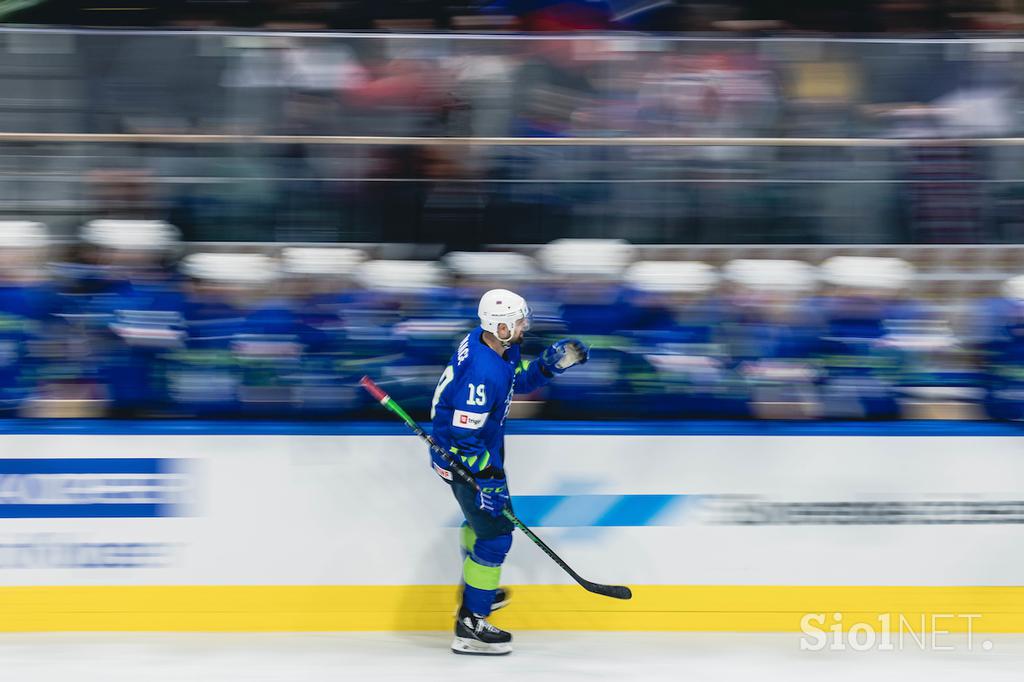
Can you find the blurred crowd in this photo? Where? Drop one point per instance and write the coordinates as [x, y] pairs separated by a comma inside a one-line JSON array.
[[127, 322], [531, 15], [300, 189]]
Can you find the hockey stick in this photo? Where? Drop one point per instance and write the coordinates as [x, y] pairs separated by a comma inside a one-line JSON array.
[[615, 591]]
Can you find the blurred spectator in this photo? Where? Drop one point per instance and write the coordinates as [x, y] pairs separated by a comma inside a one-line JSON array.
[[122, 194], [298, 88]]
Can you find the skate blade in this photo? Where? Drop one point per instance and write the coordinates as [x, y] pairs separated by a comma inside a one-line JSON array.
[[471, 647]]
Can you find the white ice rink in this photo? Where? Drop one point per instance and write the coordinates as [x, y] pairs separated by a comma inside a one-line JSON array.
[[555, 657]]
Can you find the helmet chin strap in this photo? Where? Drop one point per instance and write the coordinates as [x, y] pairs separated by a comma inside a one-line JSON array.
[[505, 343]]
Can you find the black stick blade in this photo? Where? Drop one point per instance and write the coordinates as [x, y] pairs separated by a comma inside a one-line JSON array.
[[613, 591]]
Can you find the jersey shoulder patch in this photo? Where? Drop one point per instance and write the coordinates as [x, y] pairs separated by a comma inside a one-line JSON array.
[[463, 352], [469, 420]]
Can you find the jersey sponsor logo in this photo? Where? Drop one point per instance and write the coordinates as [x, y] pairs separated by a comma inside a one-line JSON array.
[[469, 420], [443, 473]]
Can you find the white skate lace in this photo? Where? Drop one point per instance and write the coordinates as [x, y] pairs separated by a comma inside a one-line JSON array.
[[482, 624]]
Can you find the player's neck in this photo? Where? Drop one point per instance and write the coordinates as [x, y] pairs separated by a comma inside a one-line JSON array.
[[491, 341]]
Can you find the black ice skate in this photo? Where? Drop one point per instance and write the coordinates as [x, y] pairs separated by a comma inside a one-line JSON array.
[[474, 635]]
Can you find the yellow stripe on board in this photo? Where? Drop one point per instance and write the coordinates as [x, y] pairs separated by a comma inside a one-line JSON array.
[[726, 608]]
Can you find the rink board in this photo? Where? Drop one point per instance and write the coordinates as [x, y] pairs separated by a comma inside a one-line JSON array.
[[724, 527], [318, 608]]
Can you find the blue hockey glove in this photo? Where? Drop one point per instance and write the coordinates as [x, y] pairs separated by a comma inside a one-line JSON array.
[[563, 354], [493, 495]]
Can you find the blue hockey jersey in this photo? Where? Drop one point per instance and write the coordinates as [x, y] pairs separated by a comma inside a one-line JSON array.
[[472, 400]]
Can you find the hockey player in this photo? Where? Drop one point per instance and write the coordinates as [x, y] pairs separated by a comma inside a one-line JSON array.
[[123, 300], [28, 326], [469, 408], [998, 337]]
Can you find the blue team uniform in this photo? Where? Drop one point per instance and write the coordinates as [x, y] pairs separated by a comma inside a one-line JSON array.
[[999, 328], [469, 408], [26, 310], [472, 400], [131, 319], [862, 369]]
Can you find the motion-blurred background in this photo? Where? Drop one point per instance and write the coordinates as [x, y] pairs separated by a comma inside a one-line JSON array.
[[236, 209]]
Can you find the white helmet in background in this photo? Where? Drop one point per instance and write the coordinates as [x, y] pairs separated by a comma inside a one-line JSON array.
[[501, 306]]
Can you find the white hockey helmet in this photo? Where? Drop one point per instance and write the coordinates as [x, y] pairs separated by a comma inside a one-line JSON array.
[[870, 273], [153, 236], [501, 306], [237, 269], [22, 234]]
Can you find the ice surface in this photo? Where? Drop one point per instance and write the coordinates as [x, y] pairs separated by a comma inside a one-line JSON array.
[[547, 656]]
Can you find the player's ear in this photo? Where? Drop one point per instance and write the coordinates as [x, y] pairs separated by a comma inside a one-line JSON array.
[[502, 330]]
